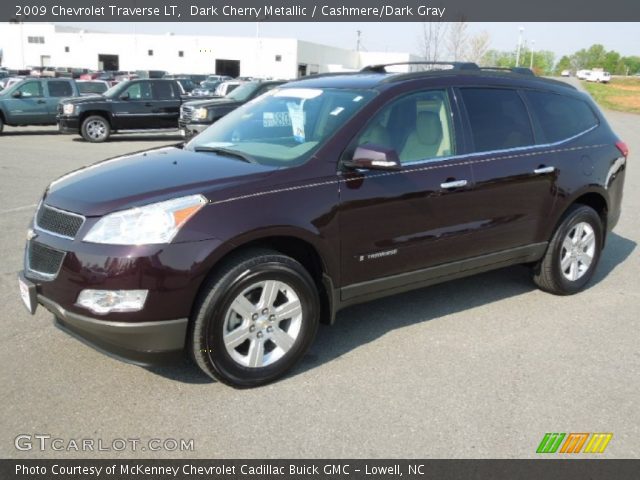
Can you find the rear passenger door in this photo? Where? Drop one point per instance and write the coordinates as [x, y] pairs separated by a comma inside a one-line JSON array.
[[166, 104], [56, 91], [515, 180]]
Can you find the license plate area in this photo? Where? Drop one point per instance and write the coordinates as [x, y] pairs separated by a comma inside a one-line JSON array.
[[28, 294]]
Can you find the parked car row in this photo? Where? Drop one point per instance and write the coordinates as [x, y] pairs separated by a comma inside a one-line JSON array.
[[93, 110]]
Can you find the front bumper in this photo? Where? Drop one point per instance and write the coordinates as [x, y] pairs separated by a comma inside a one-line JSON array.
[[146, 343], [172, 275], [191, 129], [68, 124]]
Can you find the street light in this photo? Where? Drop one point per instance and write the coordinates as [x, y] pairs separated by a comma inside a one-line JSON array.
[[519, 46], [533, 42]]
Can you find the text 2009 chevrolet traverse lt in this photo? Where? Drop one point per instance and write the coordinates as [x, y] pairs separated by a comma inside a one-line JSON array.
[[323, 193]]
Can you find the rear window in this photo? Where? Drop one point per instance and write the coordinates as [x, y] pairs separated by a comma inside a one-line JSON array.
[[498, 117], [60, 89], [559, 117]]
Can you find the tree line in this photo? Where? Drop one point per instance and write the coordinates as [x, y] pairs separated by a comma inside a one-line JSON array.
[[441, 41]]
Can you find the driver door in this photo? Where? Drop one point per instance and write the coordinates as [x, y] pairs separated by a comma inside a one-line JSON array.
[[134, 109], [30, 107], [396, 224]]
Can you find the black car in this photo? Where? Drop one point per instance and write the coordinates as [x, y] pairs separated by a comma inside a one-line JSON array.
[[150, 104], [197, 115], [320, 194]]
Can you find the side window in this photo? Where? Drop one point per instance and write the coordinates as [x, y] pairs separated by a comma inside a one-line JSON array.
[[139, 91], [164, 91], [30, 89], [418, 127], [498, 117], [60, 89], [560, 117]]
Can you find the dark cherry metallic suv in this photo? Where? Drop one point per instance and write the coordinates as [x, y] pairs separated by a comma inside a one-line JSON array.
[[323, 193]]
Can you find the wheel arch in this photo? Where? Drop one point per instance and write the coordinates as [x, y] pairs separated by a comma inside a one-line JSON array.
[[592, 197], [297, 244], [99, 113]]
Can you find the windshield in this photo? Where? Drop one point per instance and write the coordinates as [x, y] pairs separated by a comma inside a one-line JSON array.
[[243, 92], [209, 85], [283, 127], [115, 91]]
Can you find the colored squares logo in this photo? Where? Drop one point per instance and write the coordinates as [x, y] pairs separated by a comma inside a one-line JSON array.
[[574, 442]]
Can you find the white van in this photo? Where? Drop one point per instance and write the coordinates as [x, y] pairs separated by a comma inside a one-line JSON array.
[[598, 76]]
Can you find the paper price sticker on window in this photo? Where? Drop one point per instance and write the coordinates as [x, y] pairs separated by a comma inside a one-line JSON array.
[[275, 119], [296, 114]]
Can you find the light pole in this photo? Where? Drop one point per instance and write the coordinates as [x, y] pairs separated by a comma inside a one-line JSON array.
[[521, 29], [533, 42]]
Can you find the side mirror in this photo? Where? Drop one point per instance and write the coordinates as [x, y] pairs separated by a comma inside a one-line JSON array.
[[16, 94], [374, 157], [124, 96]]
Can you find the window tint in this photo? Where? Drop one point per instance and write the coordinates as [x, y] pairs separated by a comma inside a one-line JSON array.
[[498, 117], [164, 91], [139, 91], [417, 127], [30, 89], [60, 89], [559, 117]]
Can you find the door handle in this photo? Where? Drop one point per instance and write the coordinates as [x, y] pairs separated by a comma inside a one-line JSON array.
[[541, 170], [148, 104], [454, 184], [42, 101]]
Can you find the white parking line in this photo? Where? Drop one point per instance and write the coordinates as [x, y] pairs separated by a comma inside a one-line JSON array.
[[17, 209]]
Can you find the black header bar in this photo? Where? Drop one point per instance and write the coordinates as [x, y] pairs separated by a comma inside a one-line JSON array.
[[319, 10]]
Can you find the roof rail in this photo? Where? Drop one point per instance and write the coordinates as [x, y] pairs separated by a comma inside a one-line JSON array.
[[520, 70], [381, 68]]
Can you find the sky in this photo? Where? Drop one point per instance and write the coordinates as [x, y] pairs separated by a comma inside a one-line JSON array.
[[560, 38]]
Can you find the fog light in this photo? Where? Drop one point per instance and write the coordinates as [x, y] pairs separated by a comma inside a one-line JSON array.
[[105, 301]]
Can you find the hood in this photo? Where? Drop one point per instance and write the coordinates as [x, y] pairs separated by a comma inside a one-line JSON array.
[[213, 102], [147, 177], [93, 98]]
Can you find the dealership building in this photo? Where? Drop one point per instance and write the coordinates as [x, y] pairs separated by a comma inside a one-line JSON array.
[[39, 44]]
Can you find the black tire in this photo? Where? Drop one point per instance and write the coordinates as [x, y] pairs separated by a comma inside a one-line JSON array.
[[95, 129], [1, 124], [548, 272], [213, 307]]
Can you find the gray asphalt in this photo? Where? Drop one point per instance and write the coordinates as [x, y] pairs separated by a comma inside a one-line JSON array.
[[479, 367]]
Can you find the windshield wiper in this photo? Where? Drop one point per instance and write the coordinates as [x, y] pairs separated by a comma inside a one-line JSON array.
[[226, 152]]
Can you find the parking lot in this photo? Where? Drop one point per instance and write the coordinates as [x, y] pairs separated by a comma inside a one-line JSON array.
[[479, 367]]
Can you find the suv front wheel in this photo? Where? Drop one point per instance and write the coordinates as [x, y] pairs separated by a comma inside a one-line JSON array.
[[572, 254], [95, 129], [255, 319]]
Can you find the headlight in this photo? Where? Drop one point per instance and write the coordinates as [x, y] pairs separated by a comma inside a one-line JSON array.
[[201, 114], [105, 301], [155, 223], [68, 108]]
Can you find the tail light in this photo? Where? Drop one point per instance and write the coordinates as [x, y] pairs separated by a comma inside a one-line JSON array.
[[624, 150]]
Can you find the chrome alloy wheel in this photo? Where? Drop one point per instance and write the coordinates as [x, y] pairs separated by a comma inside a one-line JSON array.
[[96, 129], [262, 323], [578, 250]]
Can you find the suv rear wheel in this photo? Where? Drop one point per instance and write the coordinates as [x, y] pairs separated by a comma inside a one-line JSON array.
[[95, 129], [255, 319], [572, 254]]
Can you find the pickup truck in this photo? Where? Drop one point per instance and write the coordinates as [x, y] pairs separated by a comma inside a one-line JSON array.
[[197, 115], [34, 101], [140, 104]]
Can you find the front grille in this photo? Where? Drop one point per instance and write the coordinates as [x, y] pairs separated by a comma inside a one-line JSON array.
[[58, 222], [186, 112], [43, 261]]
